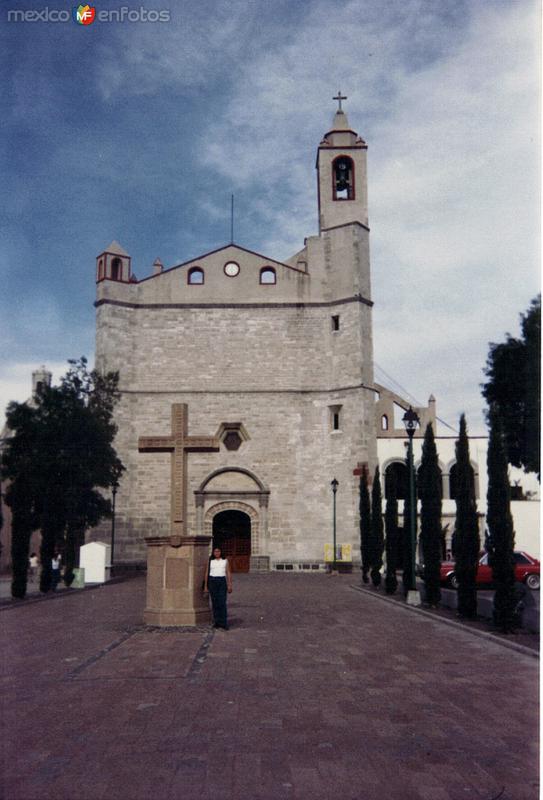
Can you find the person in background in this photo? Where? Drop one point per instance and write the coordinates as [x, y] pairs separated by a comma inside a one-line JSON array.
[[33, 566], [218, 582], [55, 570]]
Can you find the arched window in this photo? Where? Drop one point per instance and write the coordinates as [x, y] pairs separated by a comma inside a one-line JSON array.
[[343, 178], [419, 481], [396, 471], [100, 269], [195, 276], [384, 423], [267, 275], [116, 269]]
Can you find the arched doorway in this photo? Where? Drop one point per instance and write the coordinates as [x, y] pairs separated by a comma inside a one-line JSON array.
[[232, 533], [398, 471]]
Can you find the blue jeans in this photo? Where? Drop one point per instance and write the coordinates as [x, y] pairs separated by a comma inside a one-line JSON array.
[[55, 579]]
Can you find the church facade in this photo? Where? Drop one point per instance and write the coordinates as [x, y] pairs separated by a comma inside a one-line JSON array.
[[273, 358]]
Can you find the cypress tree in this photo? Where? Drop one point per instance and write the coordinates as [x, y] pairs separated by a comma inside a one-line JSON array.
[[501, 538], [21, 531], [407, 577], [377, 539], [430, 517], [466, 528], [391, 528], [365, 525]]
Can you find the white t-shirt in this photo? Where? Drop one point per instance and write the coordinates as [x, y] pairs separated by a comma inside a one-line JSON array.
[[217, 567]]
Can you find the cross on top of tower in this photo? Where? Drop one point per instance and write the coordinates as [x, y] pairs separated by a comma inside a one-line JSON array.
[[339, 97]]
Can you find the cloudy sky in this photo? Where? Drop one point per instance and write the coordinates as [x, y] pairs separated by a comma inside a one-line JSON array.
[[140, 131]]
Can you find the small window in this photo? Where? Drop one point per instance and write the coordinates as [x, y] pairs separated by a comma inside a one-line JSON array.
[[335, 418], [335, 322], [519, 558], [195, 276], [116, 269], [267, 275], [100, 269], [384, 423]]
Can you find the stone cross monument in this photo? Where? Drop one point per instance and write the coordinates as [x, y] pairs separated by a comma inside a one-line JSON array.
[[176, 563]]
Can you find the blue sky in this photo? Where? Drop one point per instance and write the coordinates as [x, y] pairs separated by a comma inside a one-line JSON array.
[[140, 131]]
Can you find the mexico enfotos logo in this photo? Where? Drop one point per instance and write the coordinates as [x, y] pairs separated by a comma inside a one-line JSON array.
[[86, 15]]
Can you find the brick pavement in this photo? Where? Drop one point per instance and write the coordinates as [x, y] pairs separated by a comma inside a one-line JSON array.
[[316, 692]]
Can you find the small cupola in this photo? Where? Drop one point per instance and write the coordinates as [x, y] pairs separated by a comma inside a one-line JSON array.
[[113, 264], [41, 378], [341, 134], [158, 266]]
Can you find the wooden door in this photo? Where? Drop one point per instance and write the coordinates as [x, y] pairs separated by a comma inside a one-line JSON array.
[[232, 533], [237, 550]]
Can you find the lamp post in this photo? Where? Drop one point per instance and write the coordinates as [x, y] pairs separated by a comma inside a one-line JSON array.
[[411, 420], [334, 484], [114, 487]]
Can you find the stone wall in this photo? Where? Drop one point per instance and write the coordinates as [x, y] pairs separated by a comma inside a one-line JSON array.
[[291, 450]]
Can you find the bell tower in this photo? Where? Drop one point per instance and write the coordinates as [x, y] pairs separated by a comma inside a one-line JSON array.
[[342, 174]]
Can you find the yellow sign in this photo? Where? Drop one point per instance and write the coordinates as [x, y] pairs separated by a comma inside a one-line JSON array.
[[343, 553]]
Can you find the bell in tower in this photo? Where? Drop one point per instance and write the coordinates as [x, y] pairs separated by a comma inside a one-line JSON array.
[[343, 171]]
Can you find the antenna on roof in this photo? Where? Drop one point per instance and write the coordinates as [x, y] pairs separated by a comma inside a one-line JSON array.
[[232, 220]]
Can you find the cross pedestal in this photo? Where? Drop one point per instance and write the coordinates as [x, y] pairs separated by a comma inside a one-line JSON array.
[[174, 581], [176, 563]]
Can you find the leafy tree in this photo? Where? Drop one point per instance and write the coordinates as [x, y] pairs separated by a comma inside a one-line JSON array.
[[500, 540], [377, 539], [365, 525], [430, 517], [391, 528], [59, 456], [466, 538], [513, 389]]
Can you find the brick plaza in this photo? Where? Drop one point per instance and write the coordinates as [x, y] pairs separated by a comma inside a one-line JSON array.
[[316, 691]]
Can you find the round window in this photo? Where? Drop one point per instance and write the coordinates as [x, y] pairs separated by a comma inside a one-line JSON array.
[[231, 269]]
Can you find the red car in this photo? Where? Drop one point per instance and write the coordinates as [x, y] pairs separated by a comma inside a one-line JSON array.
[[526, 571]]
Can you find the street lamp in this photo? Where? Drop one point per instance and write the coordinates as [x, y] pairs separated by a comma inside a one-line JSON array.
[[411, 420], [114, 487], [334, 484]]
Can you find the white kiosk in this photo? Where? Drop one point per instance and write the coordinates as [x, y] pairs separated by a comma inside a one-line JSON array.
[[95, 559]]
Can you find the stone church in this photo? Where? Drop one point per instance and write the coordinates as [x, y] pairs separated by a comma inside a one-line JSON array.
[[274, 358]]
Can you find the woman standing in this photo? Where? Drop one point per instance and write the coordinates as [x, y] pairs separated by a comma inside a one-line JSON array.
[[218, 581]]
